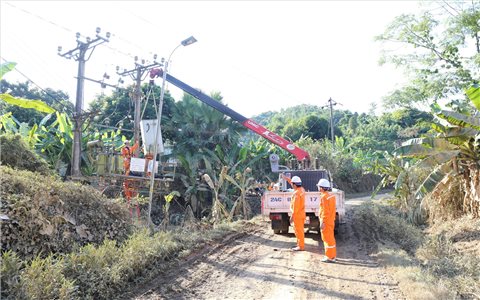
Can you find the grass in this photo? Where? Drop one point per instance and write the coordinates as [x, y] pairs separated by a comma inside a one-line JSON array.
[[439, 262], [106, 271]]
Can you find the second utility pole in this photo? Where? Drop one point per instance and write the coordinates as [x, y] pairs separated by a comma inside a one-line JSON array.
[[139, 72]]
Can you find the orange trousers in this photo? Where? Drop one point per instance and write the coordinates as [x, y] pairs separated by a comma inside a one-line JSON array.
[[328, 238], [126, 167], [298, 226]]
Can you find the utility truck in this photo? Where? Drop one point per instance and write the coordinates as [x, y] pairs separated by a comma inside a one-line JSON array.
[[276, 204]]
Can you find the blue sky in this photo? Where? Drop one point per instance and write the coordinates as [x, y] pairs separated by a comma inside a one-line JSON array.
[[261, 55]]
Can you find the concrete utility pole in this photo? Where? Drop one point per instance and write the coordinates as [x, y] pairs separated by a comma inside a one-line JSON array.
[[330, 104], [138, 74], [79, 54]]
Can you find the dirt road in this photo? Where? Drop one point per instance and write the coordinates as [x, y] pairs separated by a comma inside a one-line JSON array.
[[260, 265]]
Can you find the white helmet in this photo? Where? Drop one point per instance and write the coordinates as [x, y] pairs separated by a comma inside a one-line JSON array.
[[323, 183], [296, 179]]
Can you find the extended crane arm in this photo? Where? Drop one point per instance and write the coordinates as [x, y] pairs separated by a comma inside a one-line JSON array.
[[299, 153]]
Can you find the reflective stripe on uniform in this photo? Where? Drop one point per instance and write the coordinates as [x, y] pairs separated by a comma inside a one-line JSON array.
[[334, 246]]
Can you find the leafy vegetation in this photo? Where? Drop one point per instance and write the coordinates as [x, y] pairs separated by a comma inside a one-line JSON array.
[[66, 241], [15, 153], [106, 270], [46, 215], [444, 163]]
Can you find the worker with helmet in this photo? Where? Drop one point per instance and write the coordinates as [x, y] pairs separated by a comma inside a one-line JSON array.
[[297, 207], [327, 214], [127, 153]]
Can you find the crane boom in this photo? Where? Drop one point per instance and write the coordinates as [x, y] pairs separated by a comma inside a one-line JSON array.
[[299, 153]]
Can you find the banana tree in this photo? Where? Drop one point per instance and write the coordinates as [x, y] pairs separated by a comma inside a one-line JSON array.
[[244, 182], [454, 151], [238, 159], [193, 189], [219, 211]]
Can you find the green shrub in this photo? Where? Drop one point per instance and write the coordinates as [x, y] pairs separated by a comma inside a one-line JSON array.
[[10, 270], [90, 268], [105, 271], [47, 215], [16, 153], [44, 279]]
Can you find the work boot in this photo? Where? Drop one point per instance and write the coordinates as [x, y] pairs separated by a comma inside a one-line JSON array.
[[328, 260], [297, 249]]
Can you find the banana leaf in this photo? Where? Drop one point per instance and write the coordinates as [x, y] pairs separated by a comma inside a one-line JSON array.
[[400, 180], [459, 119], [437, 159], [460, 132], [423, 146], [6, 67], [433, 180], [473, 93], [38, 105], [232, 181]]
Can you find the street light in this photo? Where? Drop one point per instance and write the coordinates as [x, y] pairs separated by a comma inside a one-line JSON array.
[[185, 42]]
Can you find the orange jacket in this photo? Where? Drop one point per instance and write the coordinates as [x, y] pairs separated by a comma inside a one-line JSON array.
[[127, 151], [328, 208], [297, 205]]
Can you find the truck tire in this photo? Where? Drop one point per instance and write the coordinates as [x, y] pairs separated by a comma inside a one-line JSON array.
[[276, 231], [285, 230]]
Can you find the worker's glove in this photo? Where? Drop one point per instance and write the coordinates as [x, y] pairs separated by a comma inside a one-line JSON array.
[[322, 226]]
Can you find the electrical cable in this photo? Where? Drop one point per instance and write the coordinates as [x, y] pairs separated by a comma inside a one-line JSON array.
[[59, 101]]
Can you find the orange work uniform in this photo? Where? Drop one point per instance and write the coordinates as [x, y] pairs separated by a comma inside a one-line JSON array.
[[297, 207], [327, 216], [127, 153]]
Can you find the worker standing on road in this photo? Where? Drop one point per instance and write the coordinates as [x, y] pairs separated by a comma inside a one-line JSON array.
[[127, 153], [297, 207], [327, 214]]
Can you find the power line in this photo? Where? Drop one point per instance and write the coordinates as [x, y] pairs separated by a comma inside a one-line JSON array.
[[59, 101], [116, 50]]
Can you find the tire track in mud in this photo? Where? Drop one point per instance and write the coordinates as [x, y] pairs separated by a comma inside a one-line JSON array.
[[260, 265]]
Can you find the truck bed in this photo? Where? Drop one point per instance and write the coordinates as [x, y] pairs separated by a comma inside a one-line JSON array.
[[279, 202]]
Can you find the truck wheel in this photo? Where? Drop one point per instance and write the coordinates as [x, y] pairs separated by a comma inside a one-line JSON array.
[[276, 231], [285, 230]]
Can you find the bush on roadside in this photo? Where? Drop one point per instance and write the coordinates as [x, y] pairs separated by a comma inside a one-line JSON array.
[[381, 223], [105, 271], [15, 153], [45, 215]]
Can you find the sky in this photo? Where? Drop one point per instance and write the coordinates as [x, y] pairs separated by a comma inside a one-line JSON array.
[[260, 55]]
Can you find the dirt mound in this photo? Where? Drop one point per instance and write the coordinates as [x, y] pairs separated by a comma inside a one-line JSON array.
[[40, 214], [15, 153]]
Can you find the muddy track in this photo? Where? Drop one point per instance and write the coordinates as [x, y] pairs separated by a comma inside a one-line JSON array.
[[260, 265]]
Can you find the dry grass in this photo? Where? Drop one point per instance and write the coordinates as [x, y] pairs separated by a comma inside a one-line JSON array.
[[440, 262]]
